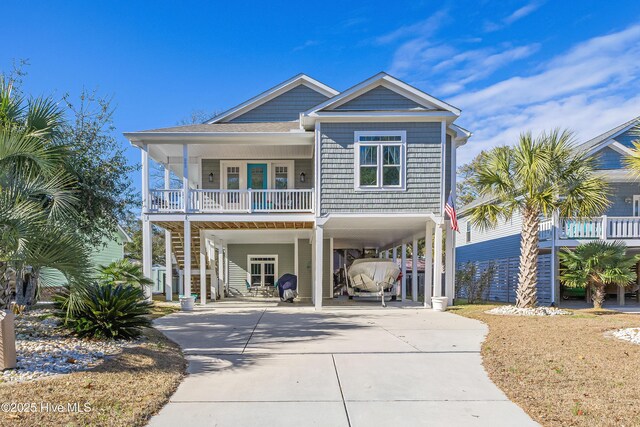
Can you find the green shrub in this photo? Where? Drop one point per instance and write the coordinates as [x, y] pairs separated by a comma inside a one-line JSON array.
[[106, 310]]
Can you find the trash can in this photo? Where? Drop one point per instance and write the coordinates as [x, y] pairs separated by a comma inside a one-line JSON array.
[[186, 303], [439, 303], [7, 340]]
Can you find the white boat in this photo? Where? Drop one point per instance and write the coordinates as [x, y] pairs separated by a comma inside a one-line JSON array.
[[372, 276]]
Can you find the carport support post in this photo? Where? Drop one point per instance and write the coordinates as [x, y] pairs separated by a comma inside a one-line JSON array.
[[437, 262], [318, 239], [221, 270], [187, 258], [147, 254], [168, 267], [450, 270], [203, 269], [414, 270], [428, 264], [394, 256], [403, 285]]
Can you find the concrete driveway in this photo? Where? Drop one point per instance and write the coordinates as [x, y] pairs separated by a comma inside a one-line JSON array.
[[344, 366]]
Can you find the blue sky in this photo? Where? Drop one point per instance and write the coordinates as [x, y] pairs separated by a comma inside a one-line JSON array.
[[510, 65]]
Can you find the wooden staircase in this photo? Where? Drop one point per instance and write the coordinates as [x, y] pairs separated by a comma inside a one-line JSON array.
[[177, 245]]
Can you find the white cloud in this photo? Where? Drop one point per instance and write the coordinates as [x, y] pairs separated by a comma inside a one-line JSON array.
[[591, 88], [424, 28], [515, 16]]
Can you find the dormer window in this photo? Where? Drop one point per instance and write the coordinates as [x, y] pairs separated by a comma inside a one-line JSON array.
[[380, 160]]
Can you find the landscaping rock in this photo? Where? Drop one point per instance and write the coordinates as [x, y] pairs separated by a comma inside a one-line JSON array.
[[511, 310], [630, 334], [44, 349]]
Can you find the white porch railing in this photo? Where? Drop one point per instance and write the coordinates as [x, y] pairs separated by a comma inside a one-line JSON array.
[[233, 201], [604, 227], [166, 200]]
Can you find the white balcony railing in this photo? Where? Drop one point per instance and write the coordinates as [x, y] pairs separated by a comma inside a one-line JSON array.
[[233, 201], [604, 227]]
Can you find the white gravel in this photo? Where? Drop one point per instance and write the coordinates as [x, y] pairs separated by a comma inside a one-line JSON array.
[[512, 310], [43, 349], [630, 334]]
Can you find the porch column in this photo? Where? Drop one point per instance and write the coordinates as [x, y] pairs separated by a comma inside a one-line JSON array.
[[403, 285], [450, 253], [414, 270], [318, 237], [187, 258], [146, 253], [332, 268], [185, 176], [168, 265], [295, 256], [555, 260], [428, 264], [220, 270], [437, 262], [394, 255], [226, 264], [145, 177], [386, 254], [203, 269], [168, 262]]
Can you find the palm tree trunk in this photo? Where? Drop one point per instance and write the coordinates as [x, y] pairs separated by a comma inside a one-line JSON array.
[[598, 295], [528, 273], [5, 286], [26, 289]]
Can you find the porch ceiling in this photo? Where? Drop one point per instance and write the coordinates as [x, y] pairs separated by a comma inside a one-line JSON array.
[[375, 231], [172, 153], [178, 226]]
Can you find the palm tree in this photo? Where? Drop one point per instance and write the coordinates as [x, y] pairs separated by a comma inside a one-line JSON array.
[[596, 265], [124, 272], [536, 177], [36, 198], [633, 161]]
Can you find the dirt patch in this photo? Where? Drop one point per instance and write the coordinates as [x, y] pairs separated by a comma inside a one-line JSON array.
[[125, 390], [562, 370]]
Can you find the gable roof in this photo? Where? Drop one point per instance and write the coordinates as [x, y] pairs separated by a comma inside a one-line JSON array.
[[269, 94], [390, 82], [602, 140]]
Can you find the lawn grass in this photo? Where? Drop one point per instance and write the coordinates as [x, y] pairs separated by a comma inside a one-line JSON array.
[[564, 370], [123, 391]]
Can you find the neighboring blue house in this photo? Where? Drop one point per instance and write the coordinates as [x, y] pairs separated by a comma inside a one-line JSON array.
[[281, 182], [620, 222]]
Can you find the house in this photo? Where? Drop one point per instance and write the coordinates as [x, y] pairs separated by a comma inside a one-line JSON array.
[[110, 250], [280, 182], [621, 221]]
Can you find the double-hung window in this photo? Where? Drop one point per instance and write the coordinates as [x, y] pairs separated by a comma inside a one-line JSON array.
[[380, 160]]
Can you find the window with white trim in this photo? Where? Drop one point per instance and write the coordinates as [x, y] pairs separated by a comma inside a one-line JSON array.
[[262, 270], [281, 177], [380, 160]]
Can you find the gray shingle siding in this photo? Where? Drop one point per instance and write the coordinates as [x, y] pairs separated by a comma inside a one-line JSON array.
[[422, 176], [608, 159], [447, 162], [620, 191], [379, 98], [628, 137], [284, 107]]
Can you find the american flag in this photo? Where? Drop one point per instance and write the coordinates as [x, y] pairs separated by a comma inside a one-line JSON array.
[[450, 209]]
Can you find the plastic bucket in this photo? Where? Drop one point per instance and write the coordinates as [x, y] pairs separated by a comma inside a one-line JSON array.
[[439, 303], [186, 303]]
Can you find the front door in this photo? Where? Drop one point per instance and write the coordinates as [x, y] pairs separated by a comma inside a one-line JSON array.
[[257, 176], [257, 180]]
